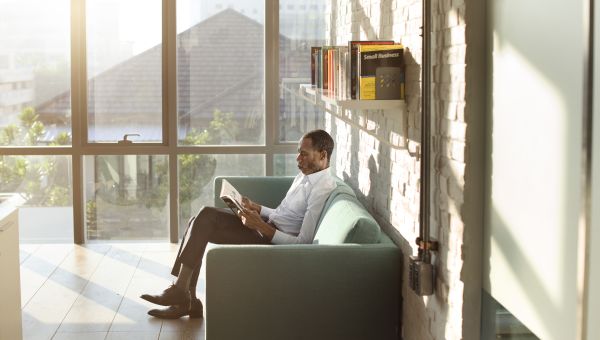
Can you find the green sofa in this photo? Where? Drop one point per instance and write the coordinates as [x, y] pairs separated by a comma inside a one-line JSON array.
[[346, 285]]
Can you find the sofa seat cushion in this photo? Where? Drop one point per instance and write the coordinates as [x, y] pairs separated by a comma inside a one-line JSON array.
[[345, 220]]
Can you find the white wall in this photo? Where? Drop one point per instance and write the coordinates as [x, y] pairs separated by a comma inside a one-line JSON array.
[[387, 179], [535, 163]]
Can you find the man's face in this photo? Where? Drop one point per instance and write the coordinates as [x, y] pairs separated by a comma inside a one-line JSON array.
[[309, 159]]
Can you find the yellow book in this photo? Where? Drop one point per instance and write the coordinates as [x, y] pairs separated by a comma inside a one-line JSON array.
[[381, 70]]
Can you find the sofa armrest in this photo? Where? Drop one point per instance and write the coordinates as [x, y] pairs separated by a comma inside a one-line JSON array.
[[266, 190], [303, 292]]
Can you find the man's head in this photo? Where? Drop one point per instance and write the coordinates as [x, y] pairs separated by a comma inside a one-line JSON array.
[[314, 151]]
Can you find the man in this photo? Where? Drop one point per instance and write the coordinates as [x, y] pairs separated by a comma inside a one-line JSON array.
[[293, 221]]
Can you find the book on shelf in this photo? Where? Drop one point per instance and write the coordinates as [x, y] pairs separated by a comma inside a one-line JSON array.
[[324, 67], [319, 67], [381, 72], [341, 73], [353, 63], [331, 72], [330, 69], [337, 71], [314, 55]]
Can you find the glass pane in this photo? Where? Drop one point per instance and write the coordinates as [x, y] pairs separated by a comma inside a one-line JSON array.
[[124, 60], [285, 165], [40, 186], [196, 176], [301, 25], [35, 100], [220, 72], [126, 197]]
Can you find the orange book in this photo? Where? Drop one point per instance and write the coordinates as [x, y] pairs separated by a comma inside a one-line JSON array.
[[332, 72]]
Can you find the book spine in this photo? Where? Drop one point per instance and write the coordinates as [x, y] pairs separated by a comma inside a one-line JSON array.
[[325, 69], [338, 78], [330, 83], [332, 87], [320, 69], [353, 69], [313, 62]]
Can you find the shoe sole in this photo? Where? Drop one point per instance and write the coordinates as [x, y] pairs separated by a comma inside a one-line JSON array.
[[195, 315], [149, 298], [192, 315]]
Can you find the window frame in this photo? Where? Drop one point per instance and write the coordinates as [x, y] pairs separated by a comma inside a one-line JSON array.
[[81, 147]]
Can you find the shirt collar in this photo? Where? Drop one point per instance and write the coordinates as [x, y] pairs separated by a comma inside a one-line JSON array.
[[316, 176]]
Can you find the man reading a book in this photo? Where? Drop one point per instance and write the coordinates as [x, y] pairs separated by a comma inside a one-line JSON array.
[[293, 221]]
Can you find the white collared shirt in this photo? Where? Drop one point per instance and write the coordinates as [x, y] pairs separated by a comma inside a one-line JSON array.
[[297, 216]]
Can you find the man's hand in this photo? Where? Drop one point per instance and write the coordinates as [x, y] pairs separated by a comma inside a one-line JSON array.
[[249, 205], [252, 220]]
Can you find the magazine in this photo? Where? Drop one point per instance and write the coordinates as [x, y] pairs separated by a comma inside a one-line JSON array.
[[231, 197]]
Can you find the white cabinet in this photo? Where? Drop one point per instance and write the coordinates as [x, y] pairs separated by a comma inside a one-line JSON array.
[[10, 289]]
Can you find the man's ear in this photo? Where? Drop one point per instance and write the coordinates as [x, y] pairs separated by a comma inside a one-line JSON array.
[[323, 154]]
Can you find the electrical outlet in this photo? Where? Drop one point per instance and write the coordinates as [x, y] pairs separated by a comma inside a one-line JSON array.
[[420, 276]]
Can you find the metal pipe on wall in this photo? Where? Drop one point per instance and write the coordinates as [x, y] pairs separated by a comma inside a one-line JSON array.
[[424, 227]]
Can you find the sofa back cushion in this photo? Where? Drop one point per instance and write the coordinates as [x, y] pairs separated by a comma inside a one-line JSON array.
[[345, 220]]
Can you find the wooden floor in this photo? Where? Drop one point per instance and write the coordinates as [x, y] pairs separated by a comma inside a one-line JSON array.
[[92, 292]]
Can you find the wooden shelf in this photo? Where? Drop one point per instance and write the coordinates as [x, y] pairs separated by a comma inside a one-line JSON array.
[[321, 98]]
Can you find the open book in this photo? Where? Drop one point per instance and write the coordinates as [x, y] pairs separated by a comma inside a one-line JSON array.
[[231, 197]]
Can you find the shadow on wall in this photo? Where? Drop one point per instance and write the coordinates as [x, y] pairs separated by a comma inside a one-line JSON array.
[[370, 167], [361, 20], [534, 285], [412, 96], [516, 40], [376, 195]]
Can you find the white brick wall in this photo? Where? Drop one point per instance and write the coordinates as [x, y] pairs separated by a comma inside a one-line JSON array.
[[387, 178]]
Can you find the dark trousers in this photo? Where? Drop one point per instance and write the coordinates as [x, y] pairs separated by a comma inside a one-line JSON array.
[[212, 225]]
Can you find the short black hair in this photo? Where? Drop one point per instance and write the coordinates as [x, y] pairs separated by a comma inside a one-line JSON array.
[[321, 140]]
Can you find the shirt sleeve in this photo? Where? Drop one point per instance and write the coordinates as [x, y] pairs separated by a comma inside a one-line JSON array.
[[309, 223], [265, 212]]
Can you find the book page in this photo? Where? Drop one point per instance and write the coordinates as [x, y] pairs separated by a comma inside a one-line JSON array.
[[231, 197]]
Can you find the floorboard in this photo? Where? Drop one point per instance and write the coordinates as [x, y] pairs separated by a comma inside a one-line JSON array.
[[92, 292]]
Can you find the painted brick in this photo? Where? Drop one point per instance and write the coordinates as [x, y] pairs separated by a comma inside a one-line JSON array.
[[387, 179]]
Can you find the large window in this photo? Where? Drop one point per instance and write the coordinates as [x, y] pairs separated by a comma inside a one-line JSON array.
[[35, 69], [301, 25], [124, 70], [196, 175], [220, 73], [41, 185], [193, 83], [126, 197], [35, 106]]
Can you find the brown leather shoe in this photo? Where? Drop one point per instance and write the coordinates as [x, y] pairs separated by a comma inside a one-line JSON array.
[[177, 311], [196, 309], [169, 297]]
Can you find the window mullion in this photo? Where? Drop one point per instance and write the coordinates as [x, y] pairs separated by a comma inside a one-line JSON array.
[[169, 76], [271, 80], [78, 113]]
